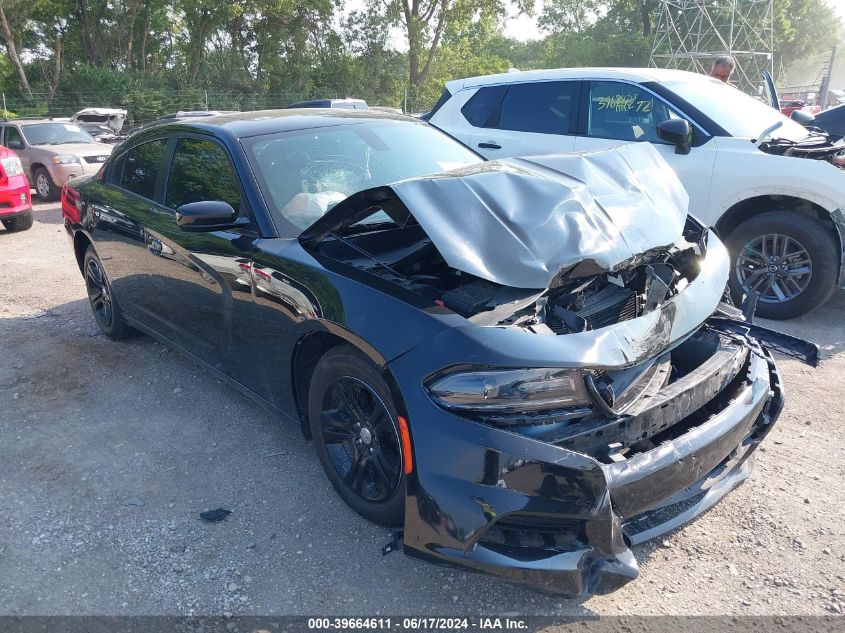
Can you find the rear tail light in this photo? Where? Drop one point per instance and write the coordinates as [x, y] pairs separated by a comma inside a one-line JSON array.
[[71, 205], [11, 166]]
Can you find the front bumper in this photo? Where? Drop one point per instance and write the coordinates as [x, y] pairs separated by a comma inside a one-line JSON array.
[[63, 172], [15, 197], [564, 520]]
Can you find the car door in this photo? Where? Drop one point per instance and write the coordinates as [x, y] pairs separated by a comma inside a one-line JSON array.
[[615, 113], [523, 119], [13, 140], [202, 279], [116, 215]]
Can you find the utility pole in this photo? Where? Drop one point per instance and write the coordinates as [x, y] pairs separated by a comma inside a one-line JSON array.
[[824, 90]]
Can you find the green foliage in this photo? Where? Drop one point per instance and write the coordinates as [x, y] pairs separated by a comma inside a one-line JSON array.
[[158, 56]]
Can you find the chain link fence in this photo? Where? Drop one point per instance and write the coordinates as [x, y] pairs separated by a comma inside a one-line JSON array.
[[142, 105]]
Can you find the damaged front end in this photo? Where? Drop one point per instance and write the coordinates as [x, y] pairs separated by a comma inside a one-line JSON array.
[[592, 392]]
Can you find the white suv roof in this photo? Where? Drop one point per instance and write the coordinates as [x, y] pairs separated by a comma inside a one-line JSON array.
[[630, 74]]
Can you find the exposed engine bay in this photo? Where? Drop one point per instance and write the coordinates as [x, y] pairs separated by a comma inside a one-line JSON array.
[[583, 300], [816, 147]]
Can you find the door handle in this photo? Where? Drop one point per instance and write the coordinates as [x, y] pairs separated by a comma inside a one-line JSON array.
[[490, 145], [154, 245]]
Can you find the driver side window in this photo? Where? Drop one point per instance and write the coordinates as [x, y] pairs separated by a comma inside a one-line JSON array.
[[625, 112], [201, 171]]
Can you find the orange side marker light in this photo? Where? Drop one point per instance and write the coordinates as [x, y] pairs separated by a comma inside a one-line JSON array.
[[408, 458]]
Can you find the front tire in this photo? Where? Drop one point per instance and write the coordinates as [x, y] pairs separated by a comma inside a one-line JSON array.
[[107, 312], [353, 424], [790, 258], [45, 188], [20, 222]]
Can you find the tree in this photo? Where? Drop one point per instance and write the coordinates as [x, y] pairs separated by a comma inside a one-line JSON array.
[[12, 47]]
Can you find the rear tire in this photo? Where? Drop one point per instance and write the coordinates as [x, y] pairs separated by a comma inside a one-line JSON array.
[[45, 188], [353, 424], [21, 222], [790, 258], [107, 312]]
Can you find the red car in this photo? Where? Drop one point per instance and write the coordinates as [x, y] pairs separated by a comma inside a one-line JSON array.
[[788, 107], [15, 202]]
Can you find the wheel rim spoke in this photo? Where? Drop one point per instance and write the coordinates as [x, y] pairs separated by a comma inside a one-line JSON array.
[[355, 476], [347, 399], [335, 429]]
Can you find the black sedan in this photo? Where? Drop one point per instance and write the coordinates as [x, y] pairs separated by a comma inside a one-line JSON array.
[[523, 364]]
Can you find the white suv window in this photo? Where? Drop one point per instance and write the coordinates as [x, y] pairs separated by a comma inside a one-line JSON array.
[[625, 112], [545, 107]]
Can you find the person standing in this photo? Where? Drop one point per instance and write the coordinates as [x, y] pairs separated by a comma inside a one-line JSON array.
[[723, 67]]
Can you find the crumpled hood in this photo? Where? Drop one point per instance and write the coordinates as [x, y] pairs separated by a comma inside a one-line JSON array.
[[520, 222]]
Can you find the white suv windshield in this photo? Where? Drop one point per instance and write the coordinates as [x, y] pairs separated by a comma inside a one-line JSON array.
[[735, 111], [55, 134]]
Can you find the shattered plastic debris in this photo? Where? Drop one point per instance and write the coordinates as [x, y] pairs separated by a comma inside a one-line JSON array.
[[213, 516]]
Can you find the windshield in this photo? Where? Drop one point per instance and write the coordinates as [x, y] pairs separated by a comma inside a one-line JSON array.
[[735, 111], [303, 174], [55, 134]]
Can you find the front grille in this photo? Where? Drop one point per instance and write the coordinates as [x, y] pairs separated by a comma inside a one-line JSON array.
[[94, 160], [612, 305], [535, 531]]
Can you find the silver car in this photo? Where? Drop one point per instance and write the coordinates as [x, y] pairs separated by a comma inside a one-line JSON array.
[[52, 152]]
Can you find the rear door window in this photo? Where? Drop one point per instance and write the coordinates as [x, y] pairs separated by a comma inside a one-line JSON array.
[[201, 171], [545, 107], [141, 167]]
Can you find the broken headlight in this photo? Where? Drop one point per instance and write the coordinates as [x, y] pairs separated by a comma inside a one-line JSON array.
[[510, 390]]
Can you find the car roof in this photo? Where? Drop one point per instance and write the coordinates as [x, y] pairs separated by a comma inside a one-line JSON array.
[[245, 124], [34, 121], [638, 75]]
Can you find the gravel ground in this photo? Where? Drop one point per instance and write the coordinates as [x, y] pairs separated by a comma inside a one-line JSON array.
[[109, 451]]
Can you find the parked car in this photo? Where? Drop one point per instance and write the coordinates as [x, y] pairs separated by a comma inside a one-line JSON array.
[[53, 152], [788, 107], [525, 364], [343, 104], [104, 124], [763, 181], [102, 133], [832, 121], [15, 203], [112, 118]]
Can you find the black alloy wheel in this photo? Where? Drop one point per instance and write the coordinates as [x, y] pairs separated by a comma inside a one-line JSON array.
[[353, 425], [106, 311], [789, 258]]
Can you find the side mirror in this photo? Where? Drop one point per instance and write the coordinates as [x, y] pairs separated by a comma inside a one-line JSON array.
[[676, 132], [804, 118], [207, 215], [15, 145]]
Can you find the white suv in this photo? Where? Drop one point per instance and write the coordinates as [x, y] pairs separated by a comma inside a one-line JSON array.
[[767, 184]]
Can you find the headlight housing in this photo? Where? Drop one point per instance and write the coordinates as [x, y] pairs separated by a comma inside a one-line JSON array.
[[510, 391], [65, 159], [11, 166]]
